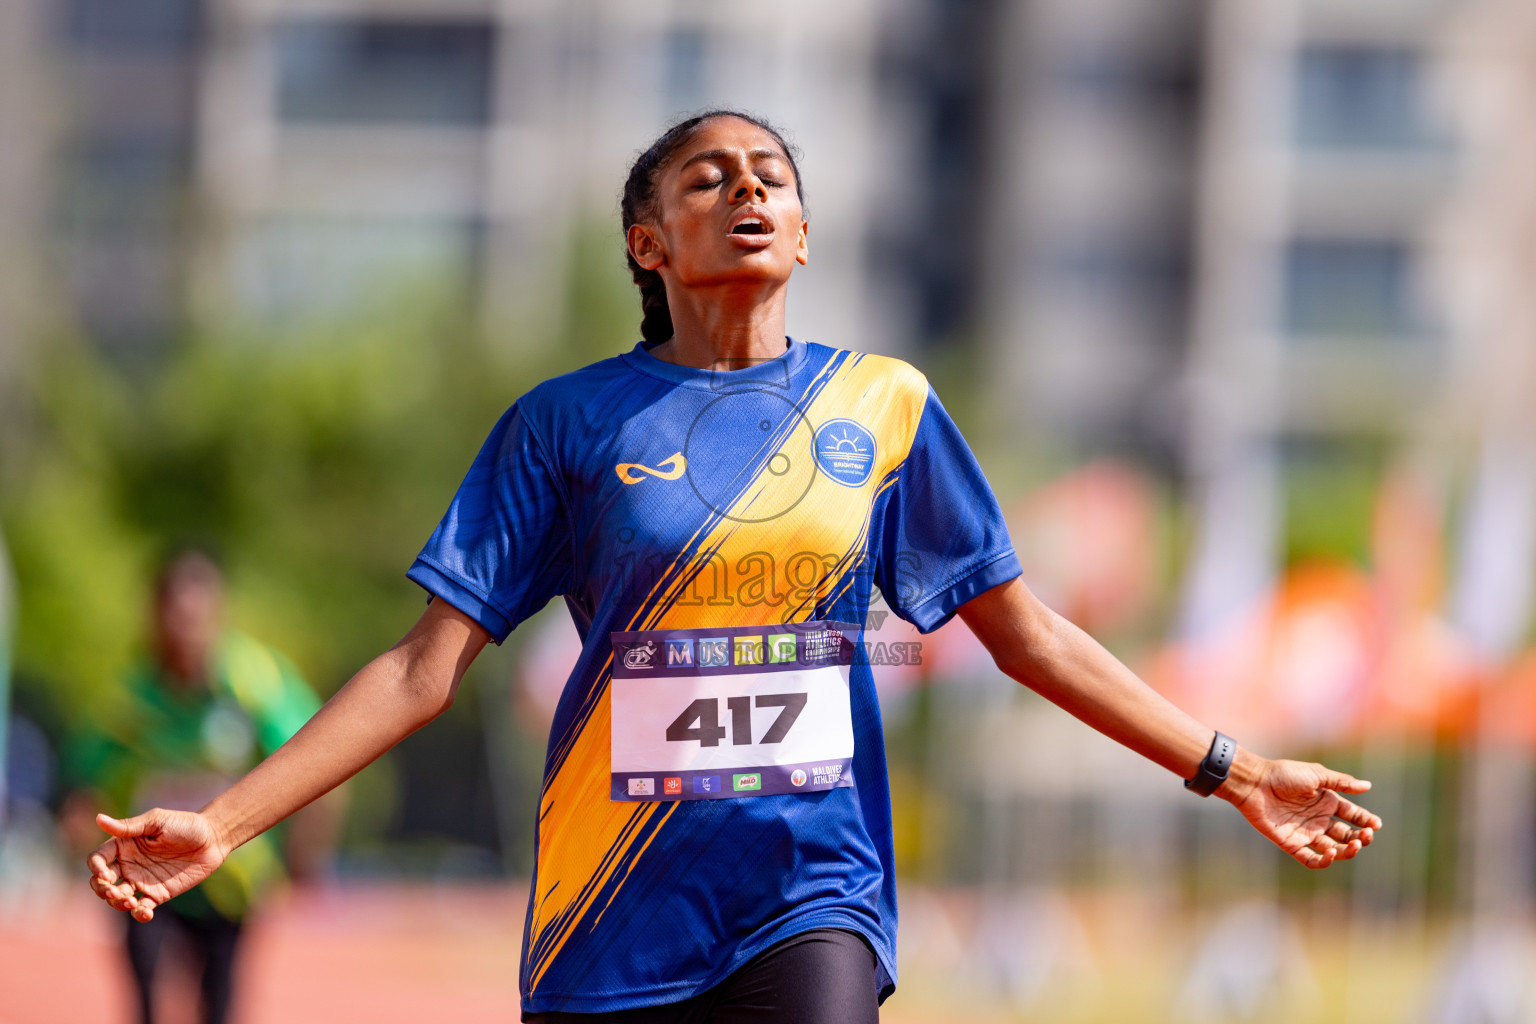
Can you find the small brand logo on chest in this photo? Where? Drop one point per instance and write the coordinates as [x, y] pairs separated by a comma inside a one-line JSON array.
[[670, 469]]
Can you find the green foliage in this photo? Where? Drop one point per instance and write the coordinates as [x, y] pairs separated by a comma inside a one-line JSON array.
[[78, 591], [316, 460], [1330, 489]]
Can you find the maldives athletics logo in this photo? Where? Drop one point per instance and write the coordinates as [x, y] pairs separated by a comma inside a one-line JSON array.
[[845, 451]]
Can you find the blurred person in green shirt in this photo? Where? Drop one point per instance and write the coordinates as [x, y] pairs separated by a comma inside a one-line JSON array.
[[205, 705]]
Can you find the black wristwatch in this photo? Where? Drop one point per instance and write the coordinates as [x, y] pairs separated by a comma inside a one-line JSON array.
[[1213, 771]]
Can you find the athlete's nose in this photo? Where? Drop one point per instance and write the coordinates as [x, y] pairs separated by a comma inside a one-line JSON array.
[[754, 191]]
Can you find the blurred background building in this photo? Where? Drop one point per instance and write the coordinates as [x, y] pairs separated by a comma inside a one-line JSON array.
[[1231, 299], [1316, 349], [284, 160]]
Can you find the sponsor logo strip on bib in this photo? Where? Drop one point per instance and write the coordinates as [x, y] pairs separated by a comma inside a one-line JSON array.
[[705, 714]]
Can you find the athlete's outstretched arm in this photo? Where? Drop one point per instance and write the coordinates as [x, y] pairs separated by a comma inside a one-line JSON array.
[[159, 854], [1294, 804]]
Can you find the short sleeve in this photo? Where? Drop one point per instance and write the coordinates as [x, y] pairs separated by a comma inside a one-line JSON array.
[[942, 539], [504, 547]]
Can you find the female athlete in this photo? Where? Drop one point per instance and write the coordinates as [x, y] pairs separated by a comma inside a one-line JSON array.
[[716, 507]]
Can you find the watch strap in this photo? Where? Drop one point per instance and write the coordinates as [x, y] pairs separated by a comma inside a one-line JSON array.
[[1213, 771]]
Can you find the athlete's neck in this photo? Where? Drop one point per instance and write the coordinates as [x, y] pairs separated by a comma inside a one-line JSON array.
[[715, 334]]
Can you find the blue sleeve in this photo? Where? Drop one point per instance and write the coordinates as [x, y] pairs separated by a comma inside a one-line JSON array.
[[504, 548], [942, 539]]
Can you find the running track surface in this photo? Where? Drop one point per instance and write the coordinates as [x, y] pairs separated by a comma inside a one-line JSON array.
[[386, 954]]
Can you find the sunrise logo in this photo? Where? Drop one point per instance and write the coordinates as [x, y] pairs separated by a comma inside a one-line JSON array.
[[845, 451]]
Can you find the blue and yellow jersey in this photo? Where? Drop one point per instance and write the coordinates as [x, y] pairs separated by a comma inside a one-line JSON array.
[[659, 497]]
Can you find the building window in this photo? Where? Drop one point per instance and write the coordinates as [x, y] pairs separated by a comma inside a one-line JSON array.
[[1360, 97], [133, 26], [385, 72], [121, 178], [1359, 288]]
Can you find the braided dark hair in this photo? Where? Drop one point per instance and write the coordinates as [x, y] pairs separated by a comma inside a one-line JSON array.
[[639, 204]]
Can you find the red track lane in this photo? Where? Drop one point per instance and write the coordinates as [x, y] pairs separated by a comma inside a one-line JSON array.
[[388, 954]]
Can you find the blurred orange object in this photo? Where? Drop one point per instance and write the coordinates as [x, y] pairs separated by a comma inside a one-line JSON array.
[[1332, 653], [1319, 661], [1507, 705], [1293, 667]]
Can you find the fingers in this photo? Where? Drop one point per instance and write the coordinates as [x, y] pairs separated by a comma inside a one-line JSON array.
[[1339, 841], [121, 896], [1356, 815], [1343, 831], [1341, 783], [107, 880], [128, 828], [1311, 858], [1326, 847], [1350, 840], [100, 862], [117, 895], [1354, 839]]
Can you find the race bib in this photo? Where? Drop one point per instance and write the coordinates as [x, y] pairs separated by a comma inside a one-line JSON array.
[[700, 714]]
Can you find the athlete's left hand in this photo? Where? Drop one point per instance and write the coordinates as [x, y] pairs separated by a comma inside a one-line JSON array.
[[1298, 807], [152, 857]]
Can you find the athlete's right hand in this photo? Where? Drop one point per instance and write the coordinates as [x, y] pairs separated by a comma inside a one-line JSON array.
[[152, 857]]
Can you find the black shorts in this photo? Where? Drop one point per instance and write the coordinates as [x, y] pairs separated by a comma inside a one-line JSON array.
[[826, 976]]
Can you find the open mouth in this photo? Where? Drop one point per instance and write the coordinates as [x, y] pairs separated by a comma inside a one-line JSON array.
[[752, 224]]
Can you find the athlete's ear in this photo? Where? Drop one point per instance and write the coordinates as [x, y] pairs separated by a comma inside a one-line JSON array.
[[802, 252], [645, 246]]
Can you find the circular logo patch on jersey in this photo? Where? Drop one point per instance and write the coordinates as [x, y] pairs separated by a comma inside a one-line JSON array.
[[797, 777], [845, 451]]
